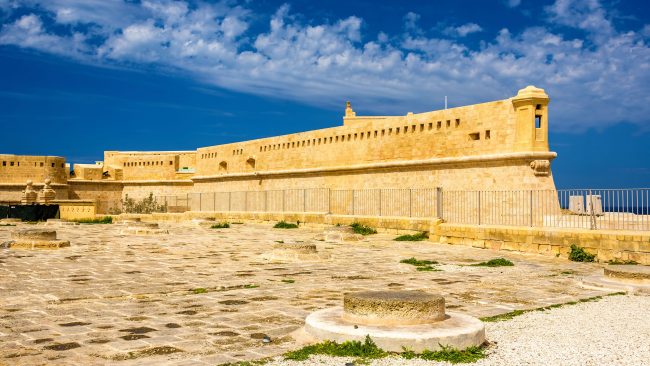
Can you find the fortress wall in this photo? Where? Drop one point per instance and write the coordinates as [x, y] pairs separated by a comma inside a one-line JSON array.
[[473, 130], [107, 194], [12, 192], [141, 190], [507, 174], [20, 168], [154, 165]]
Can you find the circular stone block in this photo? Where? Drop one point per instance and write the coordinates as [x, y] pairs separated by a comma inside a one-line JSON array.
[[338, 234], [458, 331], [305, 248], [11, 221], [35, 239], [34, 234], [393, 307], [627, 272]]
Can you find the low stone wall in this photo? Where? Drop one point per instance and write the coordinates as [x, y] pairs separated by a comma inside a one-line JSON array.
[[387, 224], [607, 245], [77, 209]]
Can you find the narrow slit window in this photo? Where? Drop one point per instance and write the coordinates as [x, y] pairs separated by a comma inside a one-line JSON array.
[[538, 121], [487, 134]]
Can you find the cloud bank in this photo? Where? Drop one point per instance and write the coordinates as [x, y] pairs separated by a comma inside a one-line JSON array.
[[596, 79]]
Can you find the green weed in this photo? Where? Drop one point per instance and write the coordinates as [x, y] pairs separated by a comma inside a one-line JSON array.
[[220, 225], [578, 254], [514, 313], [285, 225], [451, 355], [618, 262], [415, 237], [496, 262], [103, 220], [199, 290], [362, 229], [367, 349]]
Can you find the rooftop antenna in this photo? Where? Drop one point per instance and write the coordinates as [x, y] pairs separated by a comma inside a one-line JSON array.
[[445, 102]]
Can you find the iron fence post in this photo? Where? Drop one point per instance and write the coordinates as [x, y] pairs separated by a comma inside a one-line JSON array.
[[229, 201], [380, 202], [479, 207], [439, 203], [329, 201], [531, 208]]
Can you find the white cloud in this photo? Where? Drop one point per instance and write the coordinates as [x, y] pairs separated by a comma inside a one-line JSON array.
[[463, 30], [595, 81], [513, 3]]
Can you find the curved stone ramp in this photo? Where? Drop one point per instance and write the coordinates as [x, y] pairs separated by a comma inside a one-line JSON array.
[[35, 239], [633, 279], [378, 314]]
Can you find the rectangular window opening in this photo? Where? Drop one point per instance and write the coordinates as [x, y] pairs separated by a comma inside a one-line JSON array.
[[538, 121], [487, 134], [474, 136]]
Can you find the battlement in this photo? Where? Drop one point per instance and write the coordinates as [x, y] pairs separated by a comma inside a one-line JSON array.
[[516, 124], [21, 168]]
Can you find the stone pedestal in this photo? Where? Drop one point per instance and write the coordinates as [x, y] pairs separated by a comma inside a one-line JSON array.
[[294, 251], [143, 228], [35, 239], [396, 320], [339, 234]]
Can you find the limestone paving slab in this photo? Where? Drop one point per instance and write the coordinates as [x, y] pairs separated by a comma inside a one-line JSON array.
[[207, 293]]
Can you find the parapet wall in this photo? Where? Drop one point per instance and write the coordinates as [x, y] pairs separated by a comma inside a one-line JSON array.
[[607, 245], [21, 168], [483, 129]]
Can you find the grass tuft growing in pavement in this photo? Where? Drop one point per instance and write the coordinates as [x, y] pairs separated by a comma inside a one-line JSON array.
[[367, 349], [496, 262], [415, 237], [515, 313], [451, 355], [421, 265], [619, 262], [285, 225], [220, 225], [362, 229], [103, 220], [199, 290]]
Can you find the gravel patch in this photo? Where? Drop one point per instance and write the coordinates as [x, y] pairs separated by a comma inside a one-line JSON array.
[[612, 331]]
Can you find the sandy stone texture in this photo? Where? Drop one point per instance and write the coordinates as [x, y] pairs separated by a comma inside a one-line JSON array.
[[204, 296]]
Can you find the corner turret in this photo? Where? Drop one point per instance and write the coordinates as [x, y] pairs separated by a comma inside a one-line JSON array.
[[531, 127]]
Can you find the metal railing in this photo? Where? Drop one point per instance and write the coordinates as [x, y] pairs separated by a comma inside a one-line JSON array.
[[415, 202], [607, 209]]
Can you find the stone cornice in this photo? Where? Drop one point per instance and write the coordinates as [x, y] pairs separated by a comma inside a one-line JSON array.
[[388, 165]]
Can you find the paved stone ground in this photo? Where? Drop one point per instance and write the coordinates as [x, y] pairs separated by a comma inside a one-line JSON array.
[[128, 300]]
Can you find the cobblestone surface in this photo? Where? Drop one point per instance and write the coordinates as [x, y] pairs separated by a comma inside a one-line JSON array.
[[207, 296]]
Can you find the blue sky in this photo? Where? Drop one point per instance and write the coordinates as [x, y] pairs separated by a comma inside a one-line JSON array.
[[78, 77]]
